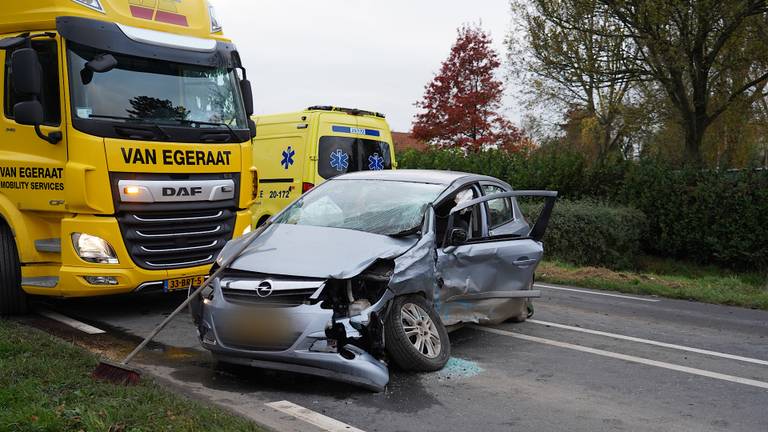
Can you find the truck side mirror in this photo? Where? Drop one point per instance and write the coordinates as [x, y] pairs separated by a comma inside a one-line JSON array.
[[245, 89], [29, 113], [27, 72]]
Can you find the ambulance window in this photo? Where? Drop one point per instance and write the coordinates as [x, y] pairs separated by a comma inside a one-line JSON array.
[[340, 155], [49, 60]]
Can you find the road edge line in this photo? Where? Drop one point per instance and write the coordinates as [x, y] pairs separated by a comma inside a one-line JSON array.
[[652, 342], [314, 418], [584, 291], [628, 358]]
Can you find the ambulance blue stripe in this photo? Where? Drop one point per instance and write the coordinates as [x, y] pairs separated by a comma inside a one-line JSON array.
[[359, 131]]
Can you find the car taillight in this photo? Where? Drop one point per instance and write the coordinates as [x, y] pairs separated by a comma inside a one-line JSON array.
[[305, 187], [254, 184]]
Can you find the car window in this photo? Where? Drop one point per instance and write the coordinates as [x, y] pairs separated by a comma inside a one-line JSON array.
[[468, 219], [340, 155], [49, 97], [499, 210]]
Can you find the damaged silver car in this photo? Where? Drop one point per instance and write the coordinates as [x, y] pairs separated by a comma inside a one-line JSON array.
[[369, 269]]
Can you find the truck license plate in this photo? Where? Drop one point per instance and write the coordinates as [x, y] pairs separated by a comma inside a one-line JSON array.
[[183, 283]]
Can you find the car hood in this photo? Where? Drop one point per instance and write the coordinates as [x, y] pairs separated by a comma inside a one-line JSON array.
[[310, 251]]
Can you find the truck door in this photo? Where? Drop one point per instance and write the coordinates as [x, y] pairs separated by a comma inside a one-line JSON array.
[[31, 169]]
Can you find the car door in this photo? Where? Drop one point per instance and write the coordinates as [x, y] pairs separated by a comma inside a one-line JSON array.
[[479, 276], [504, 215]]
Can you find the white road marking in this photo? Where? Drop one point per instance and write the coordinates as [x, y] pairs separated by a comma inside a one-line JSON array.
[[311, 417], [597, 293], [83, 327], [629, 358], [652, 342]]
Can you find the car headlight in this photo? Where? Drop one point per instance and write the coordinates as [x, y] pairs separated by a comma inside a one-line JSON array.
[[215, 23], [92, 4], [94, 249]]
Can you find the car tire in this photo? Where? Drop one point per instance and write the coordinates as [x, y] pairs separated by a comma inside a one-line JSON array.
[[521, 311], [523, 308], [425, 346], [13, 301]]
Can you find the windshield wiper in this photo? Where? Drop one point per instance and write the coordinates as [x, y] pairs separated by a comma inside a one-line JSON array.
[[194, 122], [155, 125]]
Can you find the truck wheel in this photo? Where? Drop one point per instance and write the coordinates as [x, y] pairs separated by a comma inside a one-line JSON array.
[[13, 301], [415, 336]]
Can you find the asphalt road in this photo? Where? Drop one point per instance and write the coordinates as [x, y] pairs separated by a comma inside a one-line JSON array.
[[586, 362]]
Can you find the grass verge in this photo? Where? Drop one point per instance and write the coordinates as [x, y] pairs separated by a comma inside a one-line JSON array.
[[666, 279], [45, 385]]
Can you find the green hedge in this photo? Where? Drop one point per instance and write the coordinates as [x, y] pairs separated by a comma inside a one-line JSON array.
[[592, 233], [712, 217], [707, 216]]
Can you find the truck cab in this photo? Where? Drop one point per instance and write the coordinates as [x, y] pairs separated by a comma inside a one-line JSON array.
[[294, 152], [125, 147]]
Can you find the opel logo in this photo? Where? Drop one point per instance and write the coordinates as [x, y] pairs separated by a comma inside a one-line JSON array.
[[264, 289]]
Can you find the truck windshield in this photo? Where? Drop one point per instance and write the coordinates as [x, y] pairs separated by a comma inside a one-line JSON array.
[[142, 90]]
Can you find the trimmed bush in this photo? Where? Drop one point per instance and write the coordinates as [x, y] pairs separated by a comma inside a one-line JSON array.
[[711, 217], [592, 233]]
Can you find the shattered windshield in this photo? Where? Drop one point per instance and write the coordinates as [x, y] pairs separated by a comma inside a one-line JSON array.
[[379, 207]]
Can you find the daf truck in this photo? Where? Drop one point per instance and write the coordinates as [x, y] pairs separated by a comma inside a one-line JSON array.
[[125, 147]]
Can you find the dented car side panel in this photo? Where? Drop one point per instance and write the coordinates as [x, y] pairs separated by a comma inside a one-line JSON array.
[[467, 271]]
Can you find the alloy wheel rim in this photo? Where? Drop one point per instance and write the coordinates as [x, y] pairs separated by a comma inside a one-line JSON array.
[[420, 330]]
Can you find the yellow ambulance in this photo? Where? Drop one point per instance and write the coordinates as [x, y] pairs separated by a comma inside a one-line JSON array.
[[296, 151], [125, 147]]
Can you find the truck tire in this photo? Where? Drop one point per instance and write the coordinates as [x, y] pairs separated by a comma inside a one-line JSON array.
[[415, 337], [13, 301]]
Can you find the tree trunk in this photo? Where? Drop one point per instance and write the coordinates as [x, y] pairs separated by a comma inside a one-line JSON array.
[[694, 137]]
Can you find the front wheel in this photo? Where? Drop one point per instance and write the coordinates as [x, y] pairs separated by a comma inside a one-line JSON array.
[[416, 339], [13, 301]]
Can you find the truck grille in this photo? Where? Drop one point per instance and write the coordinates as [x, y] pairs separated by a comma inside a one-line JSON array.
[[169, 240]]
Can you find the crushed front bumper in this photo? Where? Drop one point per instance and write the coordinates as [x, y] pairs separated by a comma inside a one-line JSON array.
[[302, 345]]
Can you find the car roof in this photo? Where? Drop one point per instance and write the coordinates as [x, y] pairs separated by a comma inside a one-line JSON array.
[[439, 177]]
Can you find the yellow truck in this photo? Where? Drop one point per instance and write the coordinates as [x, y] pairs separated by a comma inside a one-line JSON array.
[[125, 147], [294, 152]]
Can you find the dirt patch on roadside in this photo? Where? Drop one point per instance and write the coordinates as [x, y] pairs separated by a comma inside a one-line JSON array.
[[553, 272]]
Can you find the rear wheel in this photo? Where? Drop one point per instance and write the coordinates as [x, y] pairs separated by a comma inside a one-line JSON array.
[[13, 301], [523, 308], [415, 337]]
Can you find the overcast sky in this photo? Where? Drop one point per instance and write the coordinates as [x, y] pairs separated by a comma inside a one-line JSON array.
[[375, 55]]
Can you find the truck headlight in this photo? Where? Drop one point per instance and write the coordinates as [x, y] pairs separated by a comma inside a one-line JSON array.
[[94, 249], [215, 23]]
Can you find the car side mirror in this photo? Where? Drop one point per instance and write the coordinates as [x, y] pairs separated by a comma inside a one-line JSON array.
[[100, 64], [27, 72], [458, 236], [29, 113], [247, 92]]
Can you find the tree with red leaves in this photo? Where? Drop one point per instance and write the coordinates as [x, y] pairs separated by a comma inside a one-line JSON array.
[[461, 105]]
